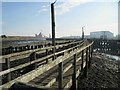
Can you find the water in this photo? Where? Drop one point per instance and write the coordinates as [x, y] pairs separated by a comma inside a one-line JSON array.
[[113, 56], [19, 42]]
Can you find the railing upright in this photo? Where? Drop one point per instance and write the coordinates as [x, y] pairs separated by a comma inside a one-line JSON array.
[[60, 75], [46, 55], [82, 57], [74, 72], [89, 63], [7, 61], [33, 57], [86, 66]]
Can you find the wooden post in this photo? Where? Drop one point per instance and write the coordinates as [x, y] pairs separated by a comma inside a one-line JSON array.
[[33, 57], [15, 49], [74, 73], [53, 50], [7, 61], [46, 55], [20, 49], [89, 63], [53, 28], [91, 52], [24, 48], [36, 47], [31, 47], [60, 76], [82, 57], [86, 67], [28, 47]]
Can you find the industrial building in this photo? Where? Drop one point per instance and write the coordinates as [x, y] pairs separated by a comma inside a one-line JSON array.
[[101, 34]]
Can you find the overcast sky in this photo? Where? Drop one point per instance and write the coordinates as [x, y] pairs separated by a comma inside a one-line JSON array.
[[29, 18]]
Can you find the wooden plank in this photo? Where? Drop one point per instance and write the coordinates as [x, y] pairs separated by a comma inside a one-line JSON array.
[[23, 65], [69, 84], [50, 83]]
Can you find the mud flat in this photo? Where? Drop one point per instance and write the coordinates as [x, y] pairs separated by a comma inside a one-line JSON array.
[[104, 73]]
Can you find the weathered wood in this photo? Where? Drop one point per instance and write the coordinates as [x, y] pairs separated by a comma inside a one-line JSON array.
[[33, 58], [86, 67], [54, 56], [89, 56], [82, 59], [32, 74], [46, 55], [23, 65], [50, 83], [38, 60], [74, 73], [7, 60], [21, 86], [24, 54], [60, 76], [69, 84]]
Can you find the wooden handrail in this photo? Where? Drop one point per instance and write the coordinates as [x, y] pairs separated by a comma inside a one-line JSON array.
[[31, 51], [38, 71], [32, 62]]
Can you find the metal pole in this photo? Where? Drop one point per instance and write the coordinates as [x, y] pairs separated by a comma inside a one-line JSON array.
[[53, 28]]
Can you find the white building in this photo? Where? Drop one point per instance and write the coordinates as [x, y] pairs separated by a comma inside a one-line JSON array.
[[101, 34]]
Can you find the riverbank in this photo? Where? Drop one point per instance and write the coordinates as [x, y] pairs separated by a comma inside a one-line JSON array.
[[104, 73]]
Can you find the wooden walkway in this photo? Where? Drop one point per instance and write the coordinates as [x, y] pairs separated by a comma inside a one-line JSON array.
[[42, 71]]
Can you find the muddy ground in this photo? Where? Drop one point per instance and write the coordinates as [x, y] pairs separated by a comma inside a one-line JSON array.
[[104, 73]]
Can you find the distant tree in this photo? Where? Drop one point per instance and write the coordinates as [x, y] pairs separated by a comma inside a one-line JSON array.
[[3, 36]]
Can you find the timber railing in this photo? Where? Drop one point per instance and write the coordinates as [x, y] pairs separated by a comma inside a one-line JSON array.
[[7, 60], [71, 50], [13, 48]]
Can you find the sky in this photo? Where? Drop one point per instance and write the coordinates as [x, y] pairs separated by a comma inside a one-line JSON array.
[[30, 18]]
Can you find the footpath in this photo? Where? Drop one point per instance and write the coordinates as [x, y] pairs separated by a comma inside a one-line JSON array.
[[104, 73]]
